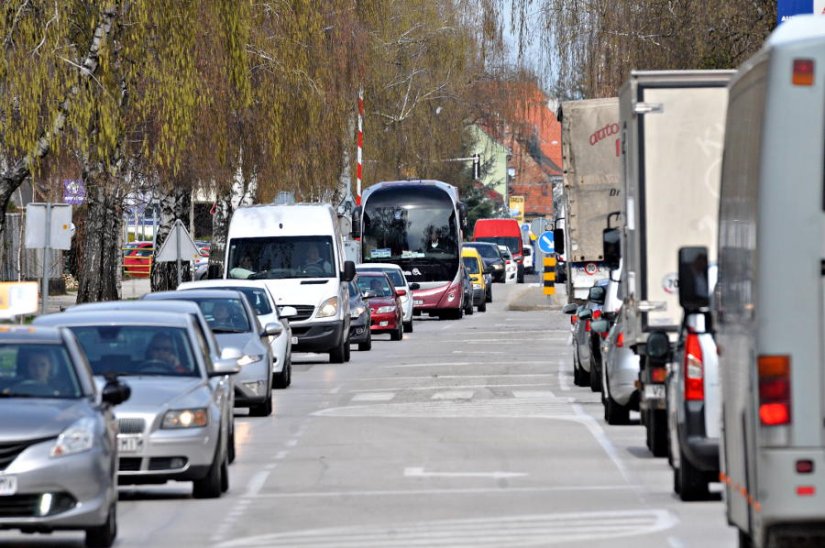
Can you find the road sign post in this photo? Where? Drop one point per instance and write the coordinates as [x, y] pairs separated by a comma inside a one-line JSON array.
[[178, 247], [48, 226]]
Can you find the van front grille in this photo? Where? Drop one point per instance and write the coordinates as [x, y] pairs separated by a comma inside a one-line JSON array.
[[304, 312]]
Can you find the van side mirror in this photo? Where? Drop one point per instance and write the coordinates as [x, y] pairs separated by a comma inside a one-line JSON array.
[[694, 290], [349, 271], [356, 223], [612, 247], [558, 240], [597, 294]]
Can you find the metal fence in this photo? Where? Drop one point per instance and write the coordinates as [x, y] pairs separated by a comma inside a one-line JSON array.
[[20, 263]]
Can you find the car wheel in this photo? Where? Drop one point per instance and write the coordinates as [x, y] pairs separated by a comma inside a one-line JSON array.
[[364, 346], [397, 334], [105, 535], [595, 375], [262, 409], [225, 475], [284, 378], [693, 482], [489, 296], [657, 432], [580, 377], [209, 486], [615, 413], [469, 311], [337, 355], [482, 307], [347, 351], [408, 327], [231, 449]]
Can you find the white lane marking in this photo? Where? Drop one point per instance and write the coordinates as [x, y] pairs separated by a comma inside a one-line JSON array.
[[506, 491], [524, 530], [430, 364], [599, 434], [498, 341], [335, 390], [475, 409], [533, 394], [453, 395], [442, 364], [270, 466], [482, 353], [291, 443], [375, 396], [281, 455], [256, 483], [418, 472], [674, 542], [505, 376], [454, 387], [564, 384]]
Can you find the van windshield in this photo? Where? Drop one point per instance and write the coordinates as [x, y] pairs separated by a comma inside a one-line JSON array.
[[281, 257]]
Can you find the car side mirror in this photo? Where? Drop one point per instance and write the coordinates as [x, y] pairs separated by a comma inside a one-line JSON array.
[[694, 290], [570, 308], [368, 294], [272, 330], [558, 240], [612, 247], [349, 271], [227, 364], [115, 392], [415, 286], [400, 292], [597, 295], [600, 326], [585, 314], [287, 311]]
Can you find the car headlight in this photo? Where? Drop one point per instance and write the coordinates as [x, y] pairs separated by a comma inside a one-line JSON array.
[[328, 308], [250, 358], [357, 311], [386, 309], [185, 418], [498, 266], [77, 438], [476, 286]]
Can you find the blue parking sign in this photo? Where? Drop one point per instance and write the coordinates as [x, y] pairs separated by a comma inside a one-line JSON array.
[[547, 243], [785, 9]]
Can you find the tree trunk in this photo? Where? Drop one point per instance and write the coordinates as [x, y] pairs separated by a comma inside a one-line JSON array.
[[100, 277], [241, 193], [173, 206]]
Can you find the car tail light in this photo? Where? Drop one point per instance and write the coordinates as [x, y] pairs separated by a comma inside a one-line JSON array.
[[803, 72], [620, 339], [804, 466], [597, 314], [774, 390], [574, 319], [587, 325], [694, 369]]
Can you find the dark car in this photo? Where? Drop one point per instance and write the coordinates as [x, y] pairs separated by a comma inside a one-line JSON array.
[[384, 304], [587, 342], [492, 258], [467, 291], [359, 325]]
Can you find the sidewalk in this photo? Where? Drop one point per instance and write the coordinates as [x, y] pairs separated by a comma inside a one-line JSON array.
[[528, 297], [132, 288]]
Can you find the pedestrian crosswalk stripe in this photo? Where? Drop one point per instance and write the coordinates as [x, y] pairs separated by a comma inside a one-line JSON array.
[[453, 395]]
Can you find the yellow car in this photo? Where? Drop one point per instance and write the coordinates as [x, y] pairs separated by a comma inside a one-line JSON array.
[[474, 266]]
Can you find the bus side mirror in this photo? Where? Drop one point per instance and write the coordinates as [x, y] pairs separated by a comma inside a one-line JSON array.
[[356, 222], [558, 240], [462, 215], [694, 291], [612, 247]]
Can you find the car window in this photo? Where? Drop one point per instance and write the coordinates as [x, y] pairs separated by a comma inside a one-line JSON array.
[[471, 264], [486, 251], [377, 284], [37, 371], [395, 275], [224, 315], [137, 350], [257, 298]]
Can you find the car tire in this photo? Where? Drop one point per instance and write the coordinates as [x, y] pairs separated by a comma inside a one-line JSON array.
[[408, 327], [104, 536], [579, 375], [482, 307], [657, 432], [262, 409], [231, 453], [693, 482], [284, 378], [210, 486], [595, 376], [347, 351], [488, 297], [744, 539], [469, 310], [614, 412], [337, 355], [367, 345], [397, 334]]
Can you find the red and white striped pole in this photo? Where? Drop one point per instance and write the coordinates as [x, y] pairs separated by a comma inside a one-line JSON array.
[[360, 141]]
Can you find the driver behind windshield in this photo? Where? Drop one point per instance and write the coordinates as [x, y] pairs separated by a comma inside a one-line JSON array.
[[313, 261], [161, 350]]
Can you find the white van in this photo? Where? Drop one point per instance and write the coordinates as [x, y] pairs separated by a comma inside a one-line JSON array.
[[770, 296], [298, 250]]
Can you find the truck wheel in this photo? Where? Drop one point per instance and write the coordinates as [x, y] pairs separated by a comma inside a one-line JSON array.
[[657, 432], [692, 482]]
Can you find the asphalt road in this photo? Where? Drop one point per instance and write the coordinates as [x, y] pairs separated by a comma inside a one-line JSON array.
[[465, 433]]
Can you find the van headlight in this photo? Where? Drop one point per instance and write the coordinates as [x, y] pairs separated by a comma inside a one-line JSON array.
[[185, 418], [77, 438], [328, 308]]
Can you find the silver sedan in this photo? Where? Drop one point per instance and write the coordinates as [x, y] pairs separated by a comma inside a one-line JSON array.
[[58, 457], [174, 426]]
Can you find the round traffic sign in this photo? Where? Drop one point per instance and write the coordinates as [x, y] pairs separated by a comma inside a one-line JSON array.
[[591, 268], [547, 243]]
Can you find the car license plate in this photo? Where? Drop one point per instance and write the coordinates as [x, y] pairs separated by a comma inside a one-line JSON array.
[[294, 340], [654, 391], [383, 324], [129, 444], [8, 486], [418, 302]]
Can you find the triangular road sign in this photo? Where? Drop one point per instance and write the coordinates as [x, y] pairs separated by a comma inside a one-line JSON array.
[[168, 251]]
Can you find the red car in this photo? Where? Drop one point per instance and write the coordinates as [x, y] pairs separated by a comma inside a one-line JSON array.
[[384, 303], [137, 259]]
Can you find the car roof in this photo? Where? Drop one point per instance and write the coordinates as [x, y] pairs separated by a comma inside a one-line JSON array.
[[470, 252], [30, 334], [485, 244], [386, 266], [221, 283], [367, 274], [171, 306], [117, 317], [195, 294]]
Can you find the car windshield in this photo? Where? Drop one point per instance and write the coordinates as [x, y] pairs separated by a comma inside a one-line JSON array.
[[379, 285], [511, 243], [395, 275], [282, 257], [256, 296], [353, 290], [471, 265], [137, 350], [486, 251], [224, 315], [37, 371]]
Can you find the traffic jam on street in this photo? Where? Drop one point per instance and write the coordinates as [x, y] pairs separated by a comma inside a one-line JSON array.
[[403, 371]]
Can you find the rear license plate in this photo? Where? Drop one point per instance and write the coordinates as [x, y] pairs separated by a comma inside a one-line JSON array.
[[654, 391], [418, 302], [294, 340], [8, 486], [129, 444], [384, 324]]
